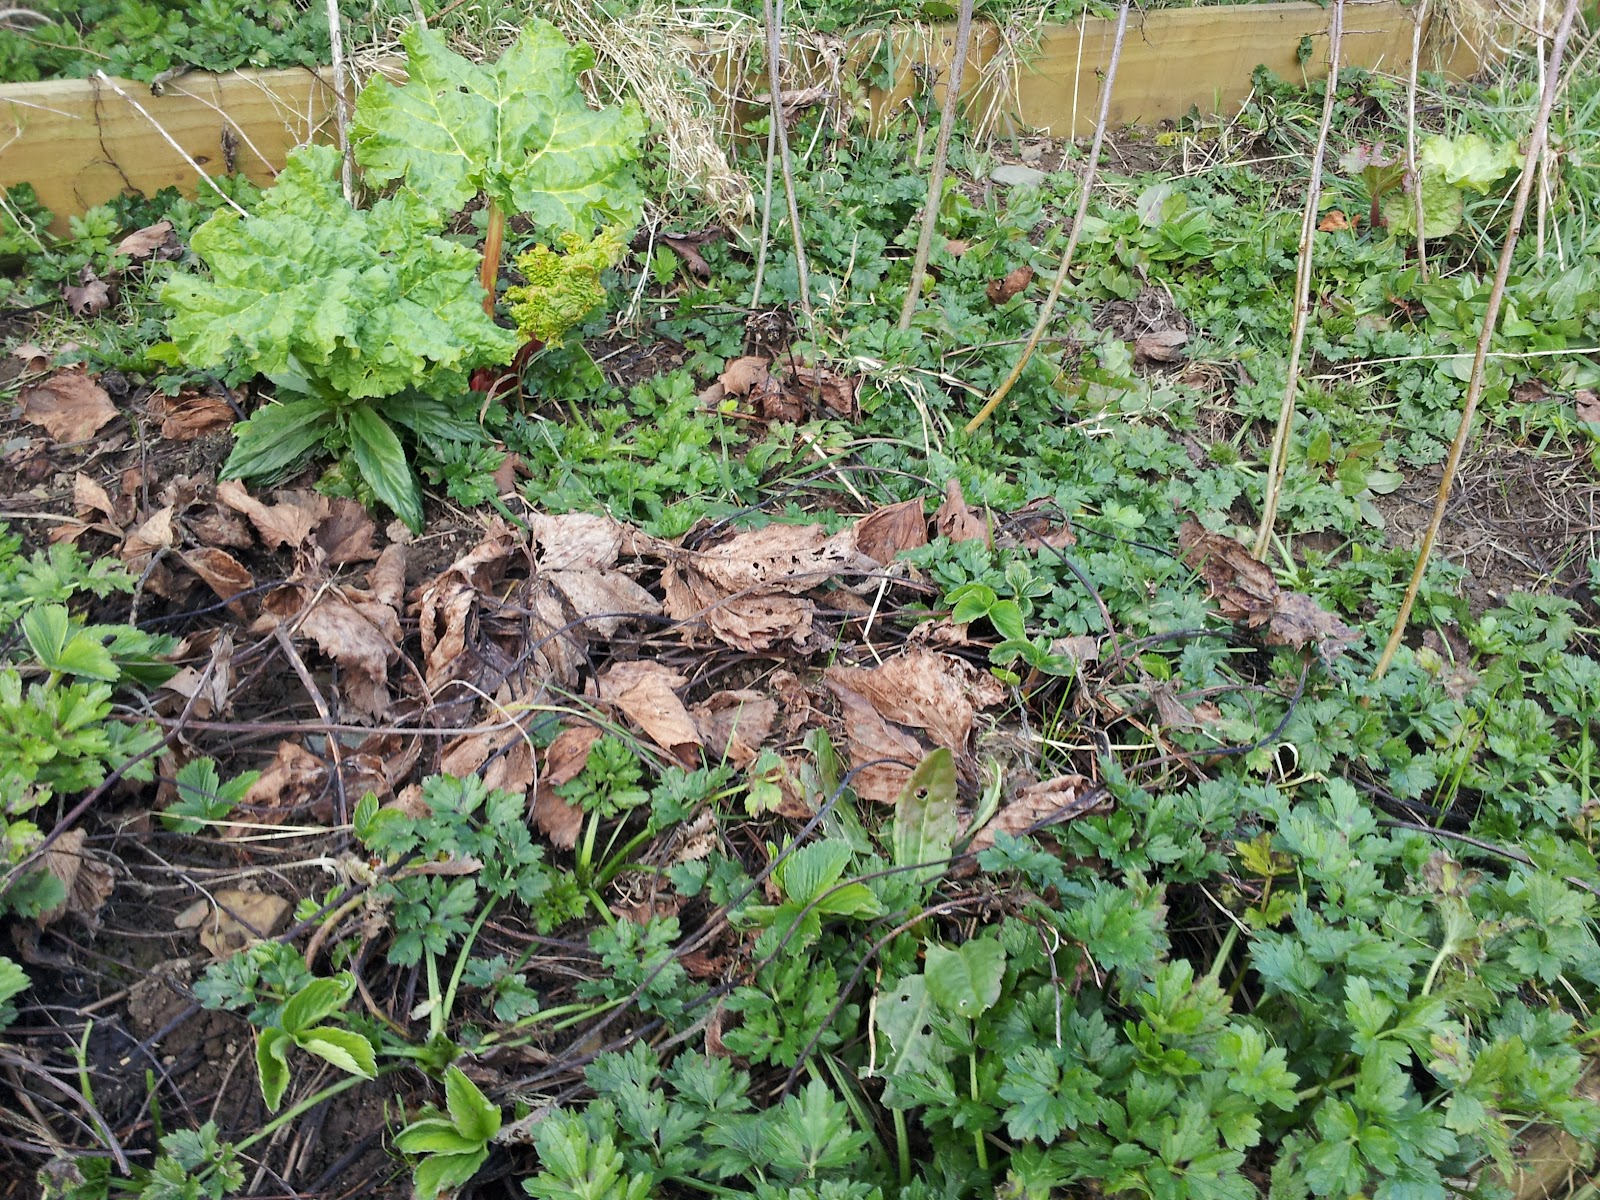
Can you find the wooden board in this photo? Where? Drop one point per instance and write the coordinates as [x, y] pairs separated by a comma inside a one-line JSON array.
[[1173, 60], [80, 142]]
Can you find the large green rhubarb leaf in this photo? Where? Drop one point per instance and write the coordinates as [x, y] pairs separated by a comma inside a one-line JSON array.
[[518, 130], [361, 303]]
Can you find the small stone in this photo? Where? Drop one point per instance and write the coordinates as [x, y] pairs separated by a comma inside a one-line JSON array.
[[1016, 175]]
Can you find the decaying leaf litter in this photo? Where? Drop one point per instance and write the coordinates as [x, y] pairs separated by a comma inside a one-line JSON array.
[[344, 659]]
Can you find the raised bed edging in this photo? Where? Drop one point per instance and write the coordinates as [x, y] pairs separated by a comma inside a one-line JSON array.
[[80, 143]]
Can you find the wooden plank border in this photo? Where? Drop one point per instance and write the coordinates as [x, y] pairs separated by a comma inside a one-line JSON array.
[[80, 143]]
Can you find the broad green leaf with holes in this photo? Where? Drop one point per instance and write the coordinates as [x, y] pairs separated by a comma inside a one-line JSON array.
[[925, 816], [965, 982], [518, 130]]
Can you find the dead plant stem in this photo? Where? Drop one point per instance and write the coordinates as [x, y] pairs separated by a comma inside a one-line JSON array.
[[1418, 19], [941, 152], [770, 11], [341, 102], [1278, 461], [1519, 209], [1085, 189]]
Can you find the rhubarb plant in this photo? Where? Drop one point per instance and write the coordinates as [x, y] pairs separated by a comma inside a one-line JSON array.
[[367, 319]]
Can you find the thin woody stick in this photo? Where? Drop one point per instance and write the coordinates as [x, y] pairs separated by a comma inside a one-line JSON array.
[[341, 106], [1087, 186], [1278, 462], [941, 152], [1418, 18], [1519, 210]]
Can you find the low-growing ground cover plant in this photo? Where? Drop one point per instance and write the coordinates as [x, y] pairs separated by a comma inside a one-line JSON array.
[[1167, 898]]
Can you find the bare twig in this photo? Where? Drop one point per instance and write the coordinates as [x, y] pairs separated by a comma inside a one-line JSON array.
[[1047, 310], [941, 151], [766, 216], [170, 140], [1278, 461], [771, 11], [341, 102], [1491, 315], [1419, 18]]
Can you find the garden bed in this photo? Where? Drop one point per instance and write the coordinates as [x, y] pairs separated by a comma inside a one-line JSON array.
[[81, 142]]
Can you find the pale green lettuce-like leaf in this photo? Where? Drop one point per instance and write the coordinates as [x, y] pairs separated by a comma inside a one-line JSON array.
[[1468, 161], [363, 303], [1442, 208], [518, 130], [562, 288]]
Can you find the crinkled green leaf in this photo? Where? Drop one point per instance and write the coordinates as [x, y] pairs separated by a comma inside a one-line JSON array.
[[562, 288], [518, 130], [362, 302], [1468, 161], [382, 461], [1442, 208]]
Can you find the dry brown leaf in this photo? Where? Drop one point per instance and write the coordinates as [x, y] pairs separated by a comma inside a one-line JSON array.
[[774, 402], [955, 520], [69, 406], [760, 623], [571, 541], [207, 690], [236, 920], [224, 574], [87, 299], [741, 376], [733, 725], [291, 780], [835, 391], [1038, 525], [142, 243], [361, 635], [883, 534], [191, 414], [779, 558], [87, 880], [89, 497], [1298, 620], [565, 758], [1333, 221], [1001, 290], [558, 819], [1246, 591], [1160, 345], [156, 533], [346, 534], [955, 247], [1058, 799], [642, 912], [644, 692], [1242, 584], [1588, 406], [216, 526], [604, 600], [33, 358], [871, 739], [286, 523], [934, 692], [1080, 649], [1171, 713]]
